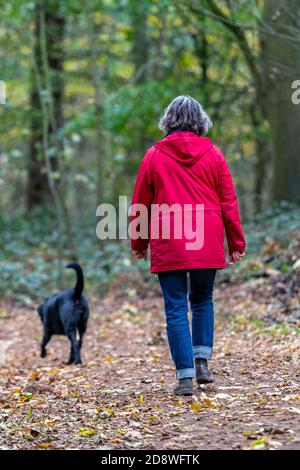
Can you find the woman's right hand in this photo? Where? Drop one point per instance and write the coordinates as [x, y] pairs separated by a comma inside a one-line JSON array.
[[141, 254], [235, 256]]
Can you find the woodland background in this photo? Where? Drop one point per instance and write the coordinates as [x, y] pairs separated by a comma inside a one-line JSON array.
[[86, 83]]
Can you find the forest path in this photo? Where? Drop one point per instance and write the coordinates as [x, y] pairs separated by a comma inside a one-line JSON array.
[[121, 397]]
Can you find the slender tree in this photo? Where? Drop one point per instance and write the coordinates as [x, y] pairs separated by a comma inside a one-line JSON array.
[[140, 57], [281, 59], [272, 71], [38, 190], [96, 72]]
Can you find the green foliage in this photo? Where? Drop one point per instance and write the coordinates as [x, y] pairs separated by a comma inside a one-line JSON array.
[[28, 257], [113, 98], [29, 266], [131, 108], [272, 242]]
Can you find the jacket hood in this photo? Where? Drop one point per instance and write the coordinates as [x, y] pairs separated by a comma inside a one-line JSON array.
[[185, 147]]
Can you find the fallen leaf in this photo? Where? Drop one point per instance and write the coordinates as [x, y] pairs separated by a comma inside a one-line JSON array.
[[25, 396], [87, 432], [45, 445], [259, 443]]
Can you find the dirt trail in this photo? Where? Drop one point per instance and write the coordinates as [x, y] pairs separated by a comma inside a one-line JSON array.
[[121, 397]]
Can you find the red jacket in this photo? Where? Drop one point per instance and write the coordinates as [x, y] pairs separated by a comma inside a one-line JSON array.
[[184, 168]]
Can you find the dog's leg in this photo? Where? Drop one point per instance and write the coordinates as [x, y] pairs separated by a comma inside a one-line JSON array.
[[71, 358], [45, 341], [81, 331], [74, 346]]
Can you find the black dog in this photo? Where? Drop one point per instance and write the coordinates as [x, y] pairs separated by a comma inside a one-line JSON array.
[[64, 313]]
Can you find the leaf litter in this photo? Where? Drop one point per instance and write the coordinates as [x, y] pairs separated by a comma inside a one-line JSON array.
[[121, 397]]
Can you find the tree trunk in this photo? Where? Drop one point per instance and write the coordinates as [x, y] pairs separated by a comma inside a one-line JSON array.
[[38, 191], [99, 100], [254, 67], [202, 51], [140, 56], [281, 58]]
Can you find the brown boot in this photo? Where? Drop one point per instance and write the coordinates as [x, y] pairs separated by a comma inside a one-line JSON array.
[[184, 387], [203, 376]]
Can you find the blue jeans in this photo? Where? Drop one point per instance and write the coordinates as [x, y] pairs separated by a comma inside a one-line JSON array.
[[183, 347]]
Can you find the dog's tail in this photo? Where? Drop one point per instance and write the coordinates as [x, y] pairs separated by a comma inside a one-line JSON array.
[[80, 279]]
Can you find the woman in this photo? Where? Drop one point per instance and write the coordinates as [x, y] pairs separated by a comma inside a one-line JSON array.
[[186, 170]]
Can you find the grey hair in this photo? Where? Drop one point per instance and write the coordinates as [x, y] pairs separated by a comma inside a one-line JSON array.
[[186, 114]]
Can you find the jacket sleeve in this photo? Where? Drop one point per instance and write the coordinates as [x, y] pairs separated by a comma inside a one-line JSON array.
[[143, 194], [230, 211]]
